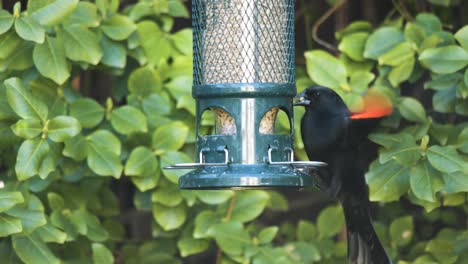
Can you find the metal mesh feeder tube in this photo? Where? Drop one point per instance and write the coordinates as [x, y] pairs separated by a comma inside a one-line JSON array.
[[244, 72]]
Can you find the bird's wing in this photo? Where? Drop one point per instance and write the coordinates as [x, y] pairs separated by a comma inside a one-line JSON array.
[[375, 105]]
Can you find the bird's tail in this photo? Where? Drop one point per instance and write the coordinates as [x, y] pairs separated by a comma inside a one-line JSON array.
[[364, 246]]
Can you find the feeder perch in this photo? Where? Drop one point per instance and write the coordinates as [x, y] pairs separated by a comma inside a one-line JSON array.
[[244, 71]]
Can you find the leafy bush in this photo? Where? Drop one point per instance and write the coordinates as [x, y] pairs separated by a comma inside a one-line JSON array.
[[65, 155]]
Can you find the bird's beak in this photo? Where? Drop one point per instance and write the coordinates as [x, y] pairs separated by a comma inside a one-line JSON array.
[[301, 100]]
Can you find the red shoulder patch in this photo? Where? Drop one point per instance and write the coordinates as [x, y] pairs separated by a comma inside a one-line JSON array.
[[376, 105]]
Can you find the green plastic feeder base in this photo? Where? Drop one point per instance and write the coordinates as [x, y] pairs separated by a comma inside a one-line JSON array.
[[240, 176]]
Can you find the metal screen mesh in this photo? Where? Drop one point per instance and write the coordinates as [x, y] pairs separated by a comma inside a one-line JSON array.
[[243, 41]]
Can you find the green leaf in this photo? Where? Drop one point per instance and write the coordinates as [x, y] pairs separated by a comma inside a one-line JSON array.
[[81, 44], [62, 128], [455, 182], [444, 100], [388, 181], [353, 66], [21, 59], [31, 249], [144, 81], [103, 153], [50, 60], [429, 22], [85, 14], [455, 199], [30, 156], [76, 148], [444, 246], [147, 182], [169, 218], [465, 78], [325, 69], [353, 45], [191, 246], [177, 9], [462, 37], [38, 4], [168, 137], [29, 29], [214, 196], [23, 102], [397, 55], [359, 81], [141, 162], [167, 195], [231, 237], [330, 221], [179, 86], [354, 27], [6, 113], [401, 72], [412, 110], [27, 128], [127, 119], [277, 201], [9, 43], [87, 111], [414, 34], [47, 91], [101, 254], [446, 159], [430, 42], [203, 222], [156, 105], [89, 225], [423, 181], [118, 27], [183, 41], [49, 164], [444, 60], [309, 252], [462, 141], [187, 102], [114, 53], [32, 216], [443, 82], [405, 152], [9, 199], [381, 41], [402, 230], [267, 234], [306, 231], [48, 233], [56, 201], [248, 205], [6, 21], [55, 12], [9, 225], [154, 42]]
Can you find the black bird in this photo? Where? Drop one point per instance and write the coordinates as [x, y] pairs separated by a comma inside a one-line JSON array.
[[333, 134]]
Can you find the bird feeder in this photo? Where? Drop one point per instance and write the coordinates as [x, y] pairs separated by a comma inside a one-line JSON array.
[[244, 72]]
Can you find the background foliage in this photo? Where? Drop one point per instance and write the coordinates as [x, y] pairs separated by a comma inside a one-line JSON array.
[[81, 158]]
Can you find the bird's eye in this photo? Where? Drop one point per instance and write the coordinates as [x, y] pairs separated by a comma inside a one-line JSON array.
[[316, 95]]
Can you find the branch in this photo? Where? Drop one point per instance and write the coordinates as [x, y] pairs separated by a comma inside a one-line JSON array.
[[320, 21], [400, 6], [228, 216]]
